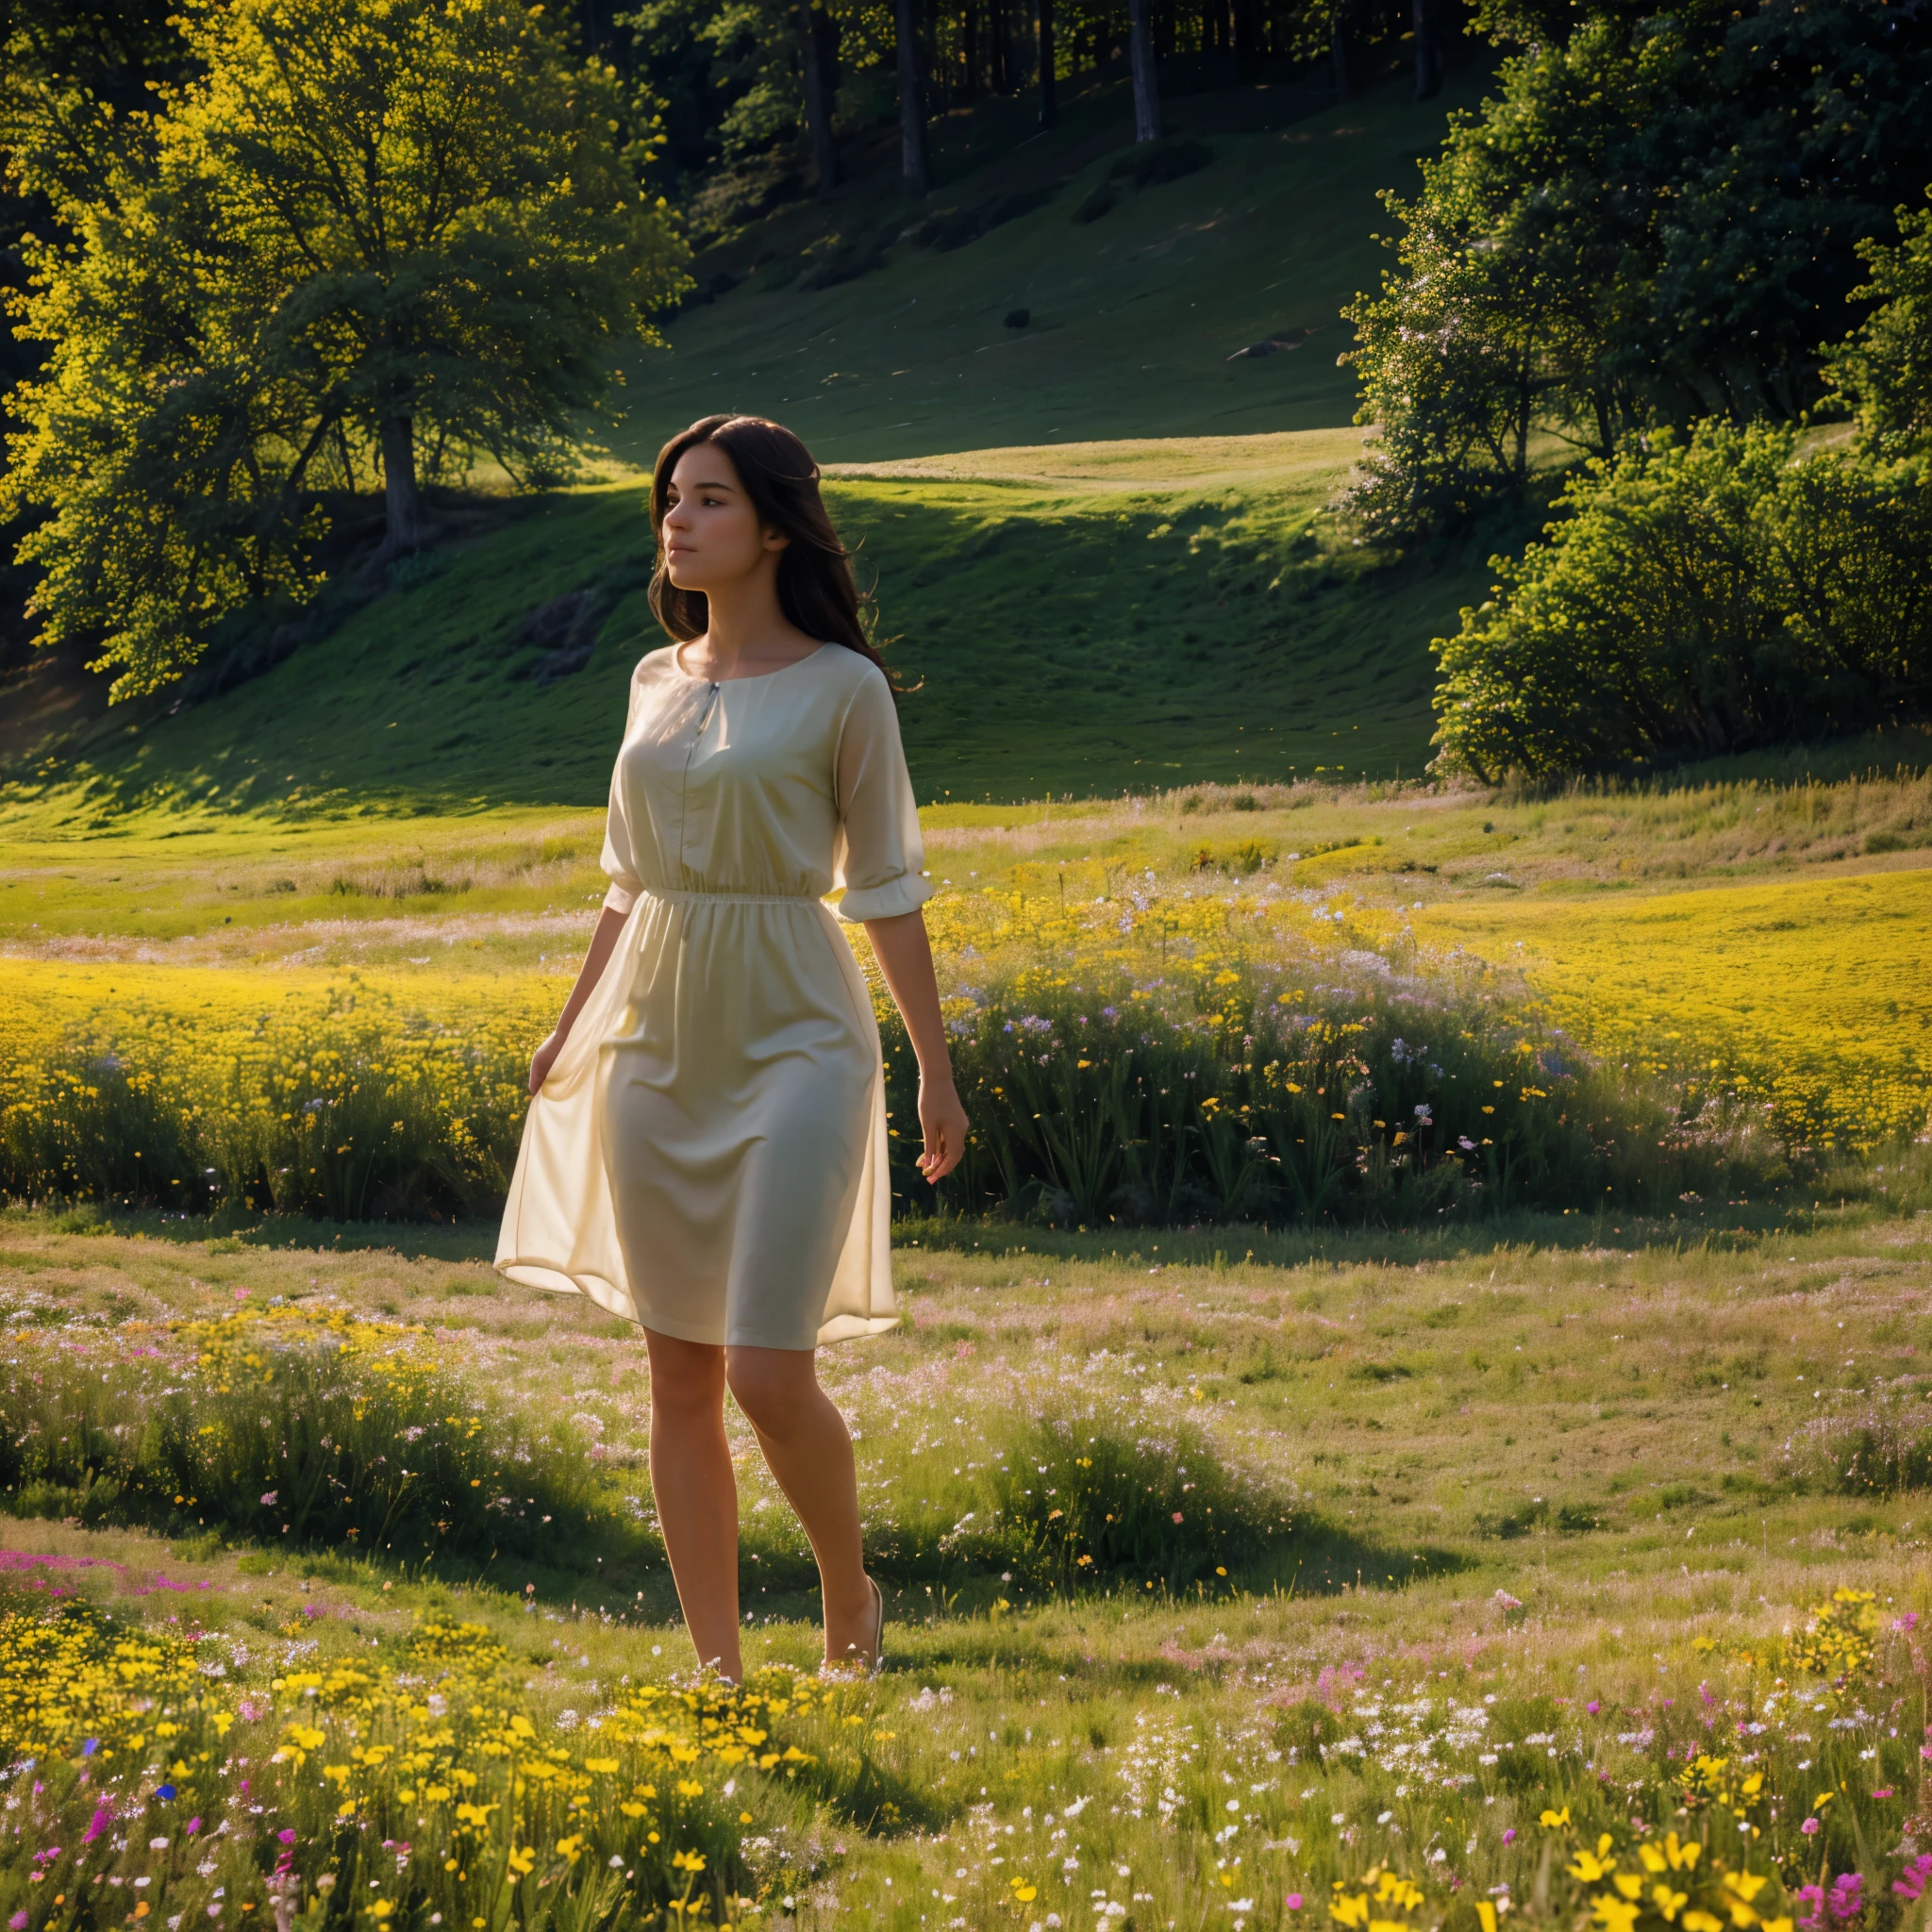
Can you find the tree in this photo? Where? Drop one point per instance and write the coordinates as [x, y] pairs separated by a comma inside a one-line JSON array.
[[1694, 598], [1146, 81], [1884, 370], [1428, 55], [817, 36], [375, 237], [1049, 106], [912, 171], [1667, 203]]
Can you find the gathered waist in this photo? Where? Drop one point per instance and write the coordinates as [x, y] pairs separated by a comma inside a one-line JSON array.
[[701, 896]]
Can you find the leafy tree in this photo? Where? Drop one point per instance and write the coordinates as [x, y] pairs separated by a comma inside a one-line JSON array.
[[1885, 370], [1655, 218], [388, 236]]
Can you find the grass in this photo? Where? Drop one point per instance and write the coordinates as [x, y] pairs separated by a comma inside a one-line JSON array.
[[1600, 1447], [1071, 620], [1136, 319], [336, 1017], [1805, 994]]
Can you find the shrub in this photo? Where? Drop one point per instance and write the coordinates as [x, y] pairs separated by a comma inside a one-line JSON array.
[[353, 1107], [1700, 597], [1085, 1499], [1364, 1096], [303, 1426], [1881, 1449]]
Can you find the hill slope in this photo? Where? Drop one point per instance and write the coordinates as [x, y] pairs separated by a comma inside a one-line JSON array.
[[1143, 610], [1133, 318], [1079, 619]]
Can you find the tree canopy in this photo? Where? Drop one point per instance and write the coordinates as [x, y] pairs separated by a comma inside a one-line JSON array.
[[1654, 219], [369, 237]]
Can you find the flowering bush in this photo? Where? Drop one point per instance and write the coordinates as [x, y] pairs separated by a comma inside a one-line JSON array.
[[302, 1424]]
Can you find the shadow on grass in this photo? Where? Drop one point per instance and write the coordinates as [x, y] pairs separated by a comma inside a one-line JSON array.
[[1723, 1227], [1234, 1244]]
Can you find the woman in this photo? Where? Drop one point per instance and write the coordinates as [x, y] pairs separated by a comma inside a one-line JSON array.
[[706, 1147]]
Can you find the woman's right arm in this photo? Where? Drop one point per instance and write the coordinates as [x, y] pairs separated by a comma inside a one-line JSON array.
[[603, 943]]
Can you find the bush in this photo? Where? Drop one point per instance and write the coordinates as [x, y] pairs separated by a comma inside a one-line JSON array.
[[356, 1109], [1084, 1499], [1077, 1499], [1230, 1095], [302, 1428], [1883, 1449], [1701, 597]]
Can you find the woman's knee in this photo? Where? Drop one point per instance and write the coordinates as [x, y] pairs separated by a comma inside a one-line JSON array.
[[773, 1386], [687, 1377]]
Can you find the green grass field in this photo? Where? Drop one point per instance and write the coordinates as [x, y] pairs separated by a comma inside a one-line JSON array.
[[1080, 620], [1117, 578], [1582, 1489], [1136, 319]]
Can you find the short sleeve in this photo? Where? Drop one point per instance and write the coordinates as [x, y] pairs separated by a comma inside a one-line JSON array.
[[619, 865], [879, 852]]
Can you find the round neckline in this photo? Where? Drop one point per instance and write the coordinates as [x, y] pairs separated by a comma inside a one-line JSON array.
[[691, 676]]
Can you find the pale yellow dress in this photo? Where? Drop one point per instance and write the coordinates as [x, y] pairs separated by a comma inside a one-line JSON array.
[[708, 1154]]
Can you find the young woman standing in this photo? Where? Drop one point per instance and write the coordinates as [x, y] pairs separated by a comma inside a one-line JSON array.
[[705, 1146]]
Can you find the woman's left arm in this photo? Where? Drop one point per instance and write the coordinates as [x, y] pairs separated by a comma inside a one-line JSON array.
[[905, 956]]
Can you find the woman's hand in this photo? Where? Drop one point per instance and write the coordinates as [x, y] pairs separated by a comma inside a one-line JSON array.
[[941, 1127], [543, 1058]]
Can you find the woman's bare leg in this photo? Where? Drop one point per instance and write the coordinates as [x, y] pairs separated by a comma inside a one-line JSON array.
[[809, 1451], [698, 1498]]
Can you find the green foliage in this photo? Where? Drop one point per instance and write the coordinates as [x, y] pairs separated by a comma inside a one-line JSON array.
[[1884, 370], [370, 226], [1881, 1448], [1649, 221], [1369, 1099], [1087, 1499], [293, 1432], [353, 1112], [1698, 597]]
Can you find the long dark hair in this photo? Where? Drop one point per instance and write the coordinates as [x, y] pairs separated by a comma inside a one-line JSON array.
[[816, 588]]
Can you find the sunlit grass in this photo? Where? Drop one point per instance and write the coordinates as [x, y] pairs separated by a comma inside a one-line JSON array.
[[1585, 1439]]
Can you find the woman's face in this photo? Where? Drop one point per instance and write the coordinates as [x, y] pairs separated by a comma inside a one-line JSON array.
[[712, 534]]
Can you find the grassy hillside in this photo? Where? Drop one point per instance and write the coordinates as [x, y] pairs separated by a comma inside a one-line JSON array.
[[1143, 601], [1076, 620], [1135, 319]]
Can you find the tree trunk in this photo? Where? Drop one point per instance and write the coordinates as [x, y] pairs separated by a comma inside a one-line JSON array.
[[1338, 53], [969, 44], [911, 105], [1247, 29], [1428, 64], [815, 32], [1049, 107], [402, 502], [1146, 82]]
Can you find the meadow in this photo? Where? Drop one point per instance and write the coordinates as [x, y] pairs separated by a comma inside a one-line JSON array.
[[1262, 1004], [1575, 1574], [1079, 619], [882, 332]]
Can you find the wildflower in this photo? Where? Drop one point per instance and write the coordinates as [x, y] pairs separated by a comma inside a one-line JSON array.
[[1810, 1827], [1911, 1883]]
